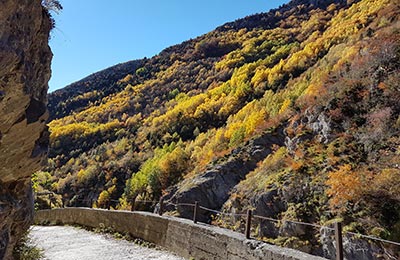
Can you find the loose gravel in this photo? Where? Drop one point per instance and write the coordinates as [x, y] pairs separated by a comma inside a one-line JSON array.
[[71, 243]]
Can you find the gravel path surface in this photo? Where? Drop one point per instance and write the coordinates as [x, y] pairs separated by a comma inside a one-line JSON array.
[[70, 243]]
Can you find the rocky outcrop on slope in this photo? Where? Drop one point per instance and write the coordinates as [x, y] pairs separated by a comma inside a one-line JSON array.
[[24, 72], [212, 188]]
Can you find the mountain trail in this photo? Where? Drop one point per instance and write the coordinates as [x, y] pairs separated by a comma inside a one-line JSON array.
[[71, 243]]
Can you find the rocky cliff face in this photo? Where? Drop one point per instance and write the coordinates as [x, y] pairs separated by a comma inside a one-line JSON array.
[[24, 72], [213, 187]]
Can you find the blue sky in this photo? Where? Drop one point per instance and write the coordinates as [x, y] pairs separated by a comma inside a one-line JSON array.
[[91, 35]]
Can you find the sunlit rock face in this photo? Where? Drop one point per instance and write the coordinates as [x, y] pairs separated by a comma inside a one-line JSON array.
[[24, 73]]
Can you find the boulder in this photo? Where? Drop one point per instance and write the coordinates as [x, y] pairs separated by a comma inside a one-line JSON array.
[[354, 247]]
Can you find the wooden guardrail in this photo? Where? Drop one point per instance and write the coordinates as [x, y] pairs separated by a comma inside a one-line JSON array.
[[337, 226]]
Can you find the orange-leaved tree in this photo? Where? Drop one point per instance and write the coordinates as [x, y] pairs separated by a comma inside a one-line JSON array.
[[345, 185]]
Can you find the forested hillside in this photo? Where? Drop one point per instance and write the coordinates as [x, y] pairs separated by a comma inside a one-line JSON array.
[[293, 113]]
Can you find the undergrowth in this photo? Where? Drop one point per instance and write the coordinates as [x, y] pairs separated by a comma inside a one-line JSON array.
[[27, 250]]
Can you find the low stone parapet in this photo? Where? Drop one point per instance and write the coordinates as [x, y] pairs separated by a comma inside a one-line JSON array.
[[181, 236]]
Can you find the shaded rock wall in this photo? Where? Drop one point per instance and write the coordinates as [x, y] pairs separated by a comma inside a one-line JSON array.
[[213, 187], [24, 72]]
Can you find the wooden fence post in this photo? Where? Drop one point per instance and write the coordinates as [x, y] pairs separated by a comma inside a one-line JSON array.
[[133, 204], [195, 211], [339, 241], [50, 200], [160, 212], [248, 224]]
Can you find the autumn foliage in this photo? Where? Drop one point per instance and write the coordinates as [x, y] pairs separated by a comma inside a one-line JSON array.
[[326, 77], [345, 185]]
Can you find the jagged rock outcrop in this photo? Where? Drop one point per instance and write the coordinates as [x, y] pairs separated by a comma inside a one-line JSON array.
[[318, 125], [354, 247], [24, 72], [212, 188]]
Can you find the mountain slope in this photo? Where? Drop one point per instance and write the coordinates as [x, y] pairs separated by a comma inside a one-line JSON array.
[[321, 77], [77, 96]]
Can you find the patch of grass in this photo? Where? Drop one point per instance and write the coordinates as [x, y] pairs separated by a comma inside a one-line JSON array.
[[27, 250]]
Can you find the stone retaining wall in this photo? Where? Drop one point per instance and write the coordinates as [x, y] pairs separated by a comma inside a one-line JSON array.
[[199, 241]]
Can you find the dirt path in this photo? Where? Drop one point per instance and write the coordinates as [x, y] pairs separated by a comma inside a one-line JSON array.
[[70, 243]]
